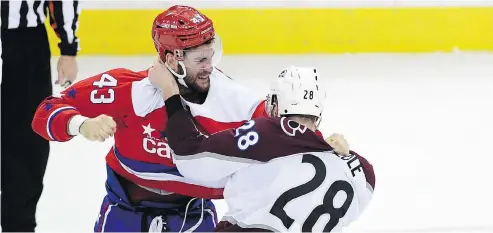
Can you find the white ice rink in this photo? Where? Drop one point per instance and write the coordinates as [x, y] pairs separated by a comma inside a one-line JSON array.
[[425, 121]]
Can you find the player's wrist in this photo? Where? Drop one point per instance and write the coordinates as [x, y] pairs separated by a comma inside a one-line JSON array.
[[168, 93], [75, 123], [173, 105]]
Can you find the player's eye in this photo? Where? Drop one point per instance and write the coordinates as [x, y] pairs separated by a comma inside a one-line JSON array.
[[202, 60]]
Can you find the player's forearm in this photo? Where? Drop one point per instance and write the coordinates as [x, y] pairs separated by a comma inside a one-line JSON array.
[[51, 121], [185, 140], [183, 136], [198, 156]]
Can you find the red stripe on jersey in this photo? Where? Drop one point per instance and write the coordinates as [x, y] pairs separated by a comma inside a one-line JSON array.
[[212, 126], [169, 186]]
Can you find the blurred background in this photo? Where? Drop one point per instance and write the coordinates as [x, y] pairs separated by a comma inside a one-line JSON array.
[[409, 83]]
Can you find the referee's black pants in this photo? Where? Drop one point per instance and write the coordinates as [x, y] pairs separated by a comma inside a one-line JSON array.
[[26, 81]]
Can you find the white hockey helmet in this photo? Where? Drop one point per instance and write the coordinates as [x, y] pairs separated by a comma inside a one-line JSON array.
[[297, 91]]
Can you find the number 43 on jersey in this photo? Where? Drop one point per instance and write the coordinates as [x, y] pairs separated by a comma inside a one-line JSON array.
[[104, 95]]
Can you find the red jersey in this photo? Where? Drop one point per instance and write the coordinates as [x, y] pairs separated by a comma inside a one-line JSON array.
[[141, 153]]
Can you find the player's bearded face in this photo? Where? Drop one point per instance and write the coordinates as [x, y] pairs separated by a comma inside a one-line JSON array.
[[199, 65]]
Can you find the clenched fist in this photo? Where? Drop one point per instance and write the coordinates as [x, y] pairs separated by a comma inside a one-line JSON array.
[[339, 144], [99, 128]]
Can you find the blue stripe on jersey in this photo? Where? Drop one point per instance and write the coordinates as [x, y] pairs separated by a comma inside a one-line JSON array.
[[139, 166], [52, 117]]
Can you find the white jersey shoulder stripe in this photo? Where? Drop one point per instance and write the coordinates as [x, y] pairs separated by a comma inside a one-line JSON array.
[[145, 97]]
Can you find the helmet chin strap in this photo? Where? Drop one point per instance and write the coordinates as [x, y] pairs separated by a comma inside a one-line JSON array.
[[180, 77]]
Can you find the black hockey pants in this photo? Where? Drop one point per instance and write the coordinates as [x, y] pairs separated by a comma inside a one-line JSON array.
[[26, 81]]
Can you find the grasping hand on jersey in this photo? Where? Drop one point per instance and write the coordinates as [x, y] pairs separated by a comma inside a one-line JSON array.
[[98, 128], [161, 77], [339, 144]]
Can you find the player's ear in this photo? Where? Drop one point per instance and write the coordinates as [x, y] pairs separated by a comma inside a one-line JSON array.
[[171, 61], [274, 112], [275, 106]]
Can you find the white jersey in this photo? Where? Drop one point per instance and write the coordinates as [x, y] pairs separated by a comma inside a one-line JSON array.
[[307, 192], [277, 174]]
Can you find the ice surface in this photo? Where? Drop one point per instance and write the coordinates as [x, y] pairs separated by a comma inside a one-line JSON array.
[[425, 121]]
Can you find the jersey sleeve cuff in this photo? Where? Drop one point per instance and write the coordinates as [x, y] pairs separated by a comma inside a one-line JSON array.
[[58, 126], [173, 105], [69, 49]]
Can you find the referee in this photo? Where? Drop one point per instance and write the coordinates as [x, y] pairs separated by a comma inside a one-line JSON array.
[[26, 81]]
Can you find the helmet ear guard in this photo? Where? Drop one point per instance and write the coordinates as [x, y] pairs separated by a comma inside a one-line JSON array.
[[179, 55]]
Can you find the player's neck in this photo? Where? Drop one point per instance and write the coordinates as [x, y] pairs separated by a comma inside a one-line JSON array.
[[304, 121], [192, 96]]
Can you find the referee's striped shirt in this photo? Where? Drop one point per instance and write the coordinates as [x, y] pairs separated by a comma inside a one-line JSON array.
[[64, 19]]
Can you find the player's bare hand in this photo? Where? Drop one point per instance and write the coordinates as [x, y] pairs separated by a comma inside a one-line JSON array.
[[162, 78], [339, 144], [99, 128], [67, 70]]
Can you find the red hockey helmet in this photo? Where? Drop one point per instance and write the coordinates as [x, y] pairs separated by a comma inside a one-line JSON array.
[[180, 28]]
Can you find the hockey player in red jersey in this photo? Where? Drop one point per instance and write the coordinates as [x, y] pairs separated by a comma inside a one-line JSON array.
[[144, 189], [277, 174]]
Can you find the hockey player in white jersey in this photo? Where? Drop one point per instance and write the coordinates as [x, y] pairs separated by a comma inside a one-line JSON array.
[[277, 174]]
